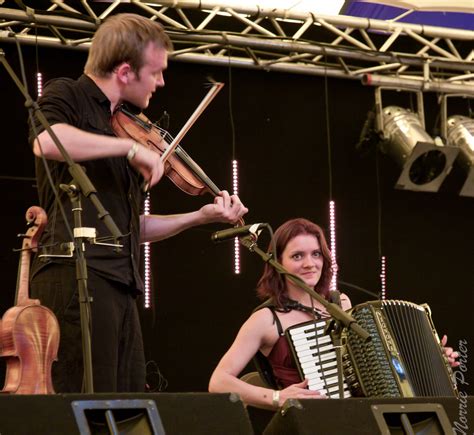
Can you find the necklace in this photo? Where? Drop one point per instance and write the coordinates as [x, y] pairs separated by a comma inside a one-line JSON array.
[[295, 305]]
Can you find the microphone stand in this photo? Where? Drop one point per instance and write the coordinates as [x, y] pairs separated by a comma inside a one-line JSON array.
[[340, 316], [335, 330], [86, 188]]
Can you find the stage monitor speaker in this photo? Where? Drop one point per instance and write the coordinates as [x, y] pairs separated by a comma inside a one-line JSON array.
[[413, 418], [130, 414], [364, 416]]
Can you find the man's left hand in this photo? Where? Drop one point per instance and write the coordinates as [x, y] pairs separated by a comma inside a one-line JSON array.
[[226, 208]]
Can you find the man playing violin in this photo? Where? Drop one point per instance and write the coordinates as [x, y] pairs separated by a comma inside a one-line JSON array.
[[126, 62]]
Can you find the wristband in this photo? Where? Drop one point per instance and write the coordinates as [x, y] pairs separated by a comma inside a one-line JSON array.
[[132, 151], [276, 398]]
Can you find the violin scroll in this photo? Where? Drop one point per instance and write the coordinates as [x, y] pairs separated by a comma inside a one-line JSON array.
[[37, 219]]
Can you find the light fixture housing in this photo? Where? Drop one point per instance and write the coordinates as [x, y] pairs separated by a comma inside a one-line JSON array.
[[460, 133], [425, 163]]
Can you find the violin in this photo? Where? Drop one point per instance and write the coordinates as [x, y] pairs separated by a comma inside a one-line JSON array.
[[29, 332], [180, 168]]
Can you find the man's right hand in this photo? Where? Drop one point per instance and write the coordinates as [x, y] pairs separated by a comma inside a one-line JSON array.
[[149, 164]]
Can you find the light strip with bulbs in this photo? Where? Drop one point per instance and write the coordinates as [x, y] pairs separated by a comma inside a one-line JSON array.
[[383, 278], [235, 191], [147, 302], [332, 243], [39, 84]]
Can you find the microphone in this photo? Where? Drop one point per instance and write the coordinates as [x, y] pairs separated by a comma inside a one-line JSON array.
[[254, 229]]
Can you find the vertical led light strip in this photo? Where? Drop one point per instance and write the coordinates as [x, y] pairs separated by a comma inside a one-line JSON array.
[[147, 259], [332, 241], [383, 278], [235, 191], [39, 83]]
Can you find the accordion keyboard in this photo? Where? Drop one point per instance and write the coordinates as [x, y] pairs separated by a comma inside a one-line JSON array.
[[316, 357]]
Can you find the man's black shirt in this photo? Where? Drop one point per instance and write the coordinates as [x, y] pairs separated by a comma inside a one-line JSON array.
[[82, 104]]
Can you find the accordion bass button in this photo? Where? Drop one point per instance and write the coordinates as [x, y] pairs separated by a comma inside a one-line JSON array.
[[351, 379]]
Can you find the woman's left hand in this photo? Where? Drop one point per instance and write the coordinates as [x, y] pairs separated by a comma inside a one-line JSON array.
[[449, 352]]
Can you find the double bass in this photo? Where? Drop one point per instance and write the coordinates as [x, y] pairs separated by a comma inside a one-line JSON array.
[[29, 332]]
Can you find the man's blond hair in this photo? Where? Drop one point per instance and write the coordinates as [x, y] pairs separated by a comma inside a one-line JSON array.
[[124, 38]]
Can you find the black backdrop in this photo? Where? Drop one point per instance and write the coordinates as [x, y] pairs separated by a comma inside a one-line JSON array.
[[281, 146]]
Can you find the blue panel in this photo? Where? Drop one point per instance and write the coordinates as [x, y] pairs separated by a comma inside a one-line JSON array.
[[455, 20]]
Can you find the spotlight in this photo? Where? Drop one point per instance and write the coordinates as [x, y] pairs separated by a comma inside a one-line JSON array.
[[460, 133], [425, 163]]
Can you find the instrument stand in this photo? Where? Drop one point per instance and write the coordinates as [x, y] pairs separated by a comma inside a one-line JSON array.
[[336, 312], [86, 188]]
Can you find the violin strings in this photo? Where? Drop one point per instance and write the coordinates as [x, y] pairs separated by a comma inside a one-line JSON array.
[[183, 155]]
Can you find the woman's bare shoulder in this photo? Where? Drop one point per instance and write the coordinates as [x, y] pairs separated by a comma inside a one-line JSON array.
[[263, 316]]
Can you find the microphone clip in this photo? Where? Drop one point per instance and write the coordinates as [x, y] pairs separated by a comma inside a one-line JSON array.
[[249, 241]]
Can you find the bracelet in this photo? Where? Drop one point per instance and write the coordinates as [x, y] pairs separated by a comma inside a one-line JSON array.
[[132, 151], [276, 398]]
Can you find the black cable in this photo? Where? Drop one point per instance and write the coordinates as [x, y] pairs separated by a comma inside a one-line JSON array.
[[13, 178], [36, 51], [379, 204], [50, 179], [379, 213], [328, 126], [33, 125], [356, 287], [231, 113]]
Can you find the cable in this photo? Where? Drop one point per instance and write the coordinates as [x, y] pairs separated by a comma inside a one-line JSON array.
[[231, 113], [328, 126], [33, 126]]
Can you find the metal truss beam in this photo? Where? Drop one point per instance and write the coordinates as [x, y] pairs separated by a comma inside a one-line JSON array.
[[377, 52]]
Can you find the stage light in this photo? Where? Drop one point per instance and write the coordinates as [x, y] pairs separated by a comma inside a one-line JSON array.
[[425, 162], [460, 133]]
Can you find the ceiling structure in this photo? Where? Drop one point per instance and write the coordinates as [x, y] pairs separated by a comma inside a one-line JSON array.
[[377, 52]]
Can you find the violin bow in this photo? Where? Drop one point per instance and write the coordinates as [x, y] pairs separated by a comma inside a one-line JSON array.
[[216, 87]]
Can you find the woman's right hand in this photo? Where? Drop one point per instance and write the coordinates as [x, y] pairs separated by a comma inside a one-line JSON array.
[[299, 391]]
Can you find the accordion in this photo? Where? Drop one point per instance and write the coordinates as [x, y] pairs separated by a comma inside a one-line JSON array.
[[403, 358]]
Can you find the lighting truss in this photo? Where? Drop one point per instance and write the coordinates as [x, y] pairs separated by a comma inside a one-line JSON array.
[[380, 53]]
